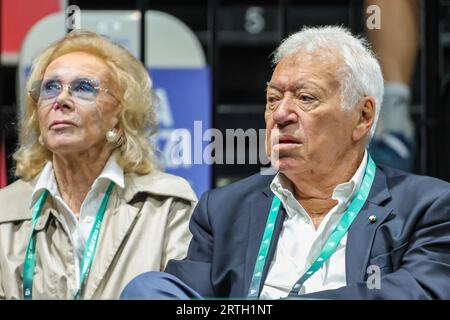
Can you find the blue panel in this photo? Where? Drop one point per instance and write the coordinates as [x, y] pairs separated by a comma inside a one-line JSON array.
[[184, 97]]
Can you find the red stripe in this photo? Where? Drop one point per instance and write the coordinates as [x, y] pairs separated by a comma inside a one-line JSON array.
[[18, 16], [3, 171]]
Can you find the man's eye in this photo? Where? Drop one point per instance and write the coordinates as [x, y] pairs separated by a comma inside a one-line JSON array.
[[306, 98], [272, 99]]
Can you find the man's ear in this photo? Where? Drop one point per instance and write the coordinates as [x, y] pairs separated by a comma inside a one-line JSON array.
[[365, 118]]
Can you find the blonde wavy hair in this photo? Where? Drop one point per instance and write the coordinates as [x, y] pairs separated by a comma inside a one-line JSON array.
[[132, 86]]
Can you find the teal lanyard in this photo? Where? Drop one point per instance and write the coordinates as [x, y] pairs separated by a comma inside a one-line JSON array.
[[332, 241], [88, 254]]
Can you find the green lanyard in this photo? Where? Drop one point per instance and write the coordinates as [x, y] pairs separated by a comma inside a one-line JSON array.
[[89, 250], [329, 247]]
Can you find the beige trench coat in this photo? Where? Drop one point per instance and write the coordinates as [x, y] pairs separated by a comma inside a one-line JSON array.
[[144, 226]]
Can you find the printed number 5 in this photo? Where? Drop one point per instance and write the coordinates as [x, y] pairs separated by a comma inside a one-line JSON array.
[[254, 20]]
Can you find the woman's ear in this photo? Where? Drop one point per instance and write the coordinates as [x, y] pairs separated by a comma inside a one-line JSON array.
[[365, 118]]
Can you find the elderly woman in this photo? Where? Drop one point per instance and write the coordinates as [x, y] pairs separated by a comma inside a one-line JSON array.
[[90, 211]]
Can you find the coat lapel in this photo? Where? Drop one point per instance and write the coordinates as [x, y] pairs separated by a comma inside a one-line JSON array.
[[259, 211], [117, 224], [273, 243], [362, 232]]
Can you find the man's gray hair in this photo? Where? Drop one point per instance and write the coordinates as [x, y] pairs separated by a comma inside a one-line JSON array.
[[361, 72]]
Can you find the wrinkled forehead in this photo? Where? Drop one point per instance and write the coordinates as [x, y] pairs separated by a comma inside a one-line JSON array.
[[322, 66], [78, 65], [325, 59]]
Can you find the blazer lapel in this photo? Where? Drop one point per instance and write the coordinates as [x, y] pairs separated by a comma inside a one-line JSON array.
[[362, 232], [359, 239], [116, 226], [273, 243], [259, 211]]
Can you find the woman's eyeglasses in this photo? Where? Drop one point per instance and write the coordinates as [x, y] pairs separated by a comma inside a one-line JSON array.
[[82, 90]]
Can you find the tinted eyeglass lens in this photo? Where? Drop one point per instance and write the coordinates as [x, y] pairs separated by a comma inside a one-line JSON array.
[[50, 89], [85, 89], [35, 91]]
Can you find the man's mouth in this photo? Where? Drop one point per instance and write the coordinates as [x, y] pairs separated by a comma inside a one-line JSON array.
[[285, 140]]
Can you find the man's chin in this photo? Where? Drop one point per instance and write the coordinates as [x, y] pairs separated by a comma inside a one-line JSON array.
[[286, 165]]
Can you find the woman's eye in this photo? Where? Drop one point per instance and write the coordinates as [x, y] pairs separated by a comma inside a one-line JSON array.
[[51, 86], [84, 86]]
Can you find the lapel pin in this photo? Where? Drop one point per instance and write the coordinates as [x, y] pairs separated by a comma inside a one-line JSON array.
[[373, 219]]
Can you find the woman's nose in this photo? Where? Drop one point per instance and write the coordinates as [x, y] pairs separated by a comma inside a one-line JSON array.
[[64, 99]]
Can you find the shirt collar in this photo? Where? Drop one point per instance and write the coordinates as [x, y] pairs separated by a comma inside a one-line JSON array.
[[113, 172], [343, 192], [47, 181]]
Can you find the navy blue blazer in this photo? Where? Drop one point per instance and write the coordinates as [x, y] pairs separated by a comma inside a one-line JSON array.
[[409, 242]]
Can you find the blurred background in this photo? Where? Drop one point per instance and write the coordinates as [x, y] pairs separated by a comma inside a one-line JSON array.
[[210, 61]]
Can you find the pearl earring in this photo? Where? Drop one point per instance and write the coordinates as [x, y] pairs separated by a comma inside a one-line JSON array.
[[41, 142], [114, 137]]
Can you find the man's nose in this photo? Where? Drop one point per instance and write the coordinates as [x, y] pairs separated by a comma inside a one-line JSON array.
[[285, 113]]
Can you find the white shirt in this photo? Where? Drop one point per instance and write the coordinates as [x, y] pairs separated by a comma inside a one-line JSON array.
[[300, 243], [79, 230]]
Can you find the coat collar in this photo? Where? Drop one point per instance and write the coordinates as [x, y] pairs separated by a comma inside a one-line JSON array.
[[15, 198], [15, 201], [159, 184]]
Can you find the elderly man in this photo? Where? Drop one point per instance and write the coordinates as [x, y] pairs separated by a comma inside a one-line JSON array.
[[330, 224]]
